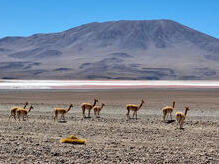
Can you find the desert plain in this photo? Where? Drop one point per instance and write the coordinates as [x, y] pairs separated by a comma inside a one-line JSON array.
[[111, 138]]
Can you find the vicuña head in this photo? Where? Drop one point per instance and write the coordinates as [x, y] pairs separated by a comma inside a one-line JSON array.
[[134, 108], [180, 117], [95, 99], [142, 101], [25, 104], [168, 110], [70, 106]]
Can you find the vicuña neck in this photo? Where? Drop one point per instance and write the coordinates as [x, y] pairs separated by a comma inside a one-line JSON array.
[[69, 108], [95, 101], [173, 104], [186, 111], [140, 105], [29, 109], [25, 105]]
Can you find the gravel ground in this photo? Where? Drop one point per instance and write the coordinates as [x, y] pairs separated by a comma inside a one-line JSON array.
[[111, 138]]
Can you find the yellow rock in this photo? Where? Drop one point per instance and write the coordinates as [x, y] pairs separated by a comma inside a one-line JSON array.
[[72, 139]]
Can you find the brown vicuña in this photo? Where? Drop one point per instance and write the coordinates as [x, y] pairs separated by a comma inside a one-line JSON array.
[[88, 106], [180, 117], [23, 112], [62, 112], [168, 109], [14, 110], [97, 110], [134, 108]]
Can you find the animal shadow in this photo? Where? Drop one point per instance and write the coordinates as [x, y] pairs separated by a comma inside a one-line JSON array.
[[87, 117], [169, 121], [132, 119], [180, 129], [62, 121]]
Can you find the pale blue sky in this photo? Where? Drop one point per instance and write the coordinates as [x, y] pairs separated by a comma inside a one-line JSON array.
[[27, 17]]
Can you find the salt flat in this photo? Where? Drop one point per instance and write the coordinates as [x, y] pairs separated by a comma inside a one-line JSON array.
[[103, 84]]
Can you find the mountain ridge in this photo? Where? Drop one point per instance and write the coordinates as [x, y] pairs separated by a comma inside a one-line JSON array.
[[167, 20], [113, 50]]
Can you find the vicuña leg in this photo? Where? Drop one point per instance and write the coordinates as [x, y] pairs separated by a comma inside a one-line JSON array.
[[18, 116], [177, 123], [133, 115], [23, 117], [56, 116], [164, 116], [95, 113], [63, 117], [128, 114], [89, 113], [181, 124], [12, 115], [83, 112]]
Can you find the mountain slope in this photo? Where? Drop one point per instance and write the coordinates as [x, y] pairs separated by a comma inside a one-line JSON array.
[[149, 49]]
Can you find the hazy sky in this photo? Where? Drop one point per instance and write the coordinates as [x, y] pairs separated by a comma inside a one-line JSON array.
[[27, 17]]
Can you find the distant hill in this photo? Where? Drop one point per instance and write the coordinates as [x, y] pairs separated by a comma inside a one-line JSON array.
[[147, 49]]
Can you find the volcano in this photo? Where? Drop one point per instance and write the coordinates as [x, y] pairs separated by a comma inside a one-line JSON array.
[[145, 49]]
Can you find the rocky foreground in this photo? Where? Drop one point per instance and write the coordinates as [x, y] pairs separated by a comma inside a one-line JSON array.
[[110, 138]]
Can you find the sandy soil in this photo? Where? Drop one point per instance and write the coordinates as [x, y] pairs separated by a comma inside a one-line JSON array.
[[111, 138]]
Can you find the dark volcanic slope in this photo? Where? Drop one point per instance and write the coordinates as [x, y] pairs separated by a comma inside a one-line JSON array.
[[154, 49]]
